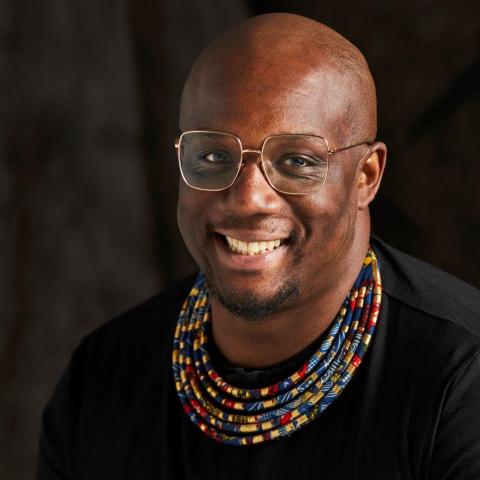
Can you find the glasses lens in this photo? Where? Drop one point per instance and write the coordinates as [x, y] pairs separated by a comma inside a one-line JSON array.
[[296, 163], [208, 160]]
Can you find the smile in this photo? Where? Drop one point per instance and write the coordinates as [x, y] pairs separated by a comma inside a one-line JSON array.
[[252, 248]]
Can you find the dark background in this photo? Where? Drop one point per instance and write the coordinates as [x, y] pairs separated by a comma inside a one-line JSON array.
[[89, 94]]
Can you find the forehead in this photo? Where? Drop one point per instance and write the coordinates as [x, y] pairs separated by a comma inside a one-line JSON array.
[[262, 103]]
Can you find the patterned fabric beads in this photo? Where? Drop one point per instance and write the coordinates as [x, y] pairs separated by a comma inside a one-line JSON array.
[[238, 416]]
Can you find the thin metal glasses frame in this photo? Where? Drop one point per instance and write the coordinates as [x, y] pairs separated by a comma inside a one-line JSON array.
[[330, 152]]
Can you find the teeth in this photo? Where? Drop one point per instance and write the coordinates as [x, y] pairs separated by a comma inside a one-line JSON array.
[[251, 248]]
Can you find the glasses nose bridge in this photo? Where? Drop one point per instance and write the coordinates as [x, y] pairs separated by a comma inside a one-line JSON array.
[[251, 150], [260, 156], [259, 163]]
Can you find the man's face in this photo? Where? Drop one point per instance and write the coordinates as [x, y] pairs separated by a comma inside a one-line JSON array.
[[314, 230]]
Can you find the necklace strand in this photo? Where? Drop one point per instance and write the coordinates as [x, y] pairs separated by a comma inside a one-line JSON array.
[[240, 416]]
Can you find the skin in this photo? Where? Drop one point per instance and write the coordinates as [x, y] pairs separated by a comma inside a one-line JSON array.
[[274, 74]]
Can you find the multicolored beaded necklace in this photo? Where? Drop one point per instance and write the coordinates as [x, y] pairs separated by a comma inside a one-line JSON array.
[[238, 416]]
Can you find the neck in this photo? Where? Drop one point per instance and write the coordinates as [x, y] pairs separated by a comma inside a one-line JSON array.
[[266, 342]]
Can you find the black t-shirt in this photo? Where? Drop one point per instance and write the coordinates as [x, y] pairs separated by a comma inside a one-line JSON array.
[[412, 410]]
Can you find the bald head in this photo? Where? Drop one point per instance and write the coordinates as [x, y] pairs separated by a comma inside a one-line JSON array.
[[281, 59]]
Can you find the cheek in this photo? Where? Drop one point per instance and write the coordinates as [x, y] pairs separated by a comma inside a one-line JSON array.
[[343, 189], [189, 210], [332, 212]]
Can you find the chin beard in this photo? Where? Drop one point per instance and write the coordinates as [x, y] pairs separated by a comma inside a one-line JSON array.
[[251, 307]]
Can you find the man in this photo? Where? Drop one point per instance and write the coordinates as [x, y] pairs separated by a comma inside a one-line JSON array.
[[304, 348]]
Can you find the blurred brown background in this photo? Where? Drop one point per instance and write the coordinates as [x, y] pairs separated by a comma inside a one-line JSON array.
[[88, 178]]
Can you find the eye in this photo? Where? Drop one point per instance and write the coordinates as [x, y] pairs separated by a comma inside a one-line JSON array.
[[298, 161], [214, 156]]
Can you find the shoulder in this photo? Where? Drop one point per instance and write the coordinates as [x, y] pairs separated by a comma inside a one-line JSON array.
[[429, 293], [151, 322]]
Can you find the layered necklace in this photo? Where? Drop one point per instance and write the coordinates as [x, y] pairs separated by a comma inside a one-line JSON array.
[[241, 416]]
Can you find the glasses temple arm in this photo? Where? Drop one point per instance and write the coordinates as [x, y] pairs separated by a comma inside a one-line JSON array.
[[335, 150]]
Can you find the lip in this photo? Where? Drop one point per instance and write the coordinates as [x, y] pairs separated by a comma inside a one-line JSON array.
[[251, 236], [249, 263]]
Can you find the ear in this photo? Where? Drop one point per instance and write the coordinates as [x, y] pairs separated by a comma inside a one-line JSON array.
[[370, 174]]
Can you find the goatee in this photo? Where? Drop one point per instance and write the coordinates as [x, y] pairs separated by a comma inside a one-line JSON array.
[[250, 306]]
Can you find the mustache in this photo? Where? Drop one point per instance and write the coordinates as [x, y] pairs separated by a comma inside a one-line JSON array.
[[258, 222]]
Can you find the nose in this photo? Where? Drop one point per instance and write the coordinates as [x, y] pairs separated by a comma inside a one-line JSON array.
[[251, 193]]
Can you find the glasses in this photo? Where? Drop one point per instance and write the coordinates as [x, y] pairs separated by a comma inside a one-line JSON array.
[[295, 164]]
